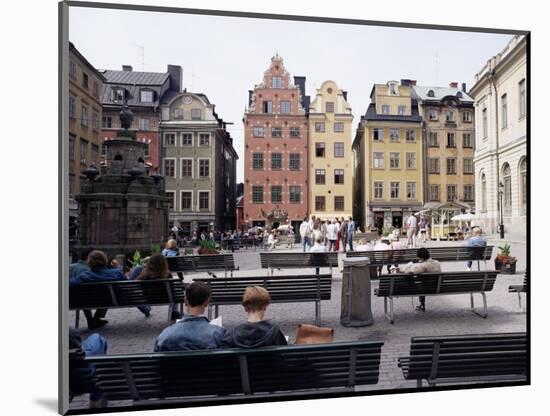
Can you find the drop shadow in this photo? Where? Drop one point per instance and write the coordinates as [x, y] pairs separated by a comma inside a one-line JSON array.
[[47, 403]]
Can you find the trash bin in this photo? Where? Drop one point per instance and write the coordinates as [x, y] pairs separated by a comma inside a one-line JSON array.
[[356, 293]]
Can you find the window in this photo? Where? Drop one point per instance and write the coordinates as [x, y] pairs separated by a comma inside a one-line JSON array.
[[467, 140], [433, 115], [385, 109], [170, 194], [258, 161], [294, 161], [392, 88], [170, 139], [72, 106], [394, 160], [186, 168], [319, 149], [507, 181], [95, 89], [433, 140], [394, 135], [338, 203], [95, 153], [95, 121], [338, 149], [187, 139], [378, 190], [117, 95], [378, 134], [177, 113], [339, 176], [276, 132], [410, 160], [258, 132], [204, 168], [451, 142], [451, 193], [504, 105], [319, 176], [411, 135], [394, 190], [483, 193], [147, 153], [434, 192], [196, 114], [72, 70], [467, 116], [85, 80], [329, 107], [107, 122], [468, 192], [72, 139], [294, 194], [451, 166], [320, 204], [204, 200], [433, 165], [267, 107], [484, 122], [143, 124], [522, 99], [71, 184], [285, 107], [378, 160], [277, 82], [523, 185], [320, 127], [204, 139], [170, 168], [338, 127], [146, 96], [411, 190], [103, 149], [468, 166], [186, 200], [84, 119], [295, 132], [449, 116], [257, 194], [276, 194], [276, 161], [401, 110]]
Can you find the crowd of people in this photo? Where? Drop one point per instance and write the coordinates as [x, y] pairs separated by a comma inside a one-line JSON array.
[[318, 235]]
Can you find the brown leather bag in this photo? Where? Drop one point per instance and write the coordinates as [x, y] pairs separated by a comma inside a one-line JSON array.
[[311, 334]]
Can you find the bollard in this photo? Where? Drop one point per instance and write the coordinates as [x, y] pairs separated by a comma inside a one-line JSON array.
[[355, 307]]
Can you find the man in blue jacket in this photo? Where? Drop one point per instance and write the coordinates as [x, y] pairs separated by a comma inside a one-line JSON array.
[[476, 240]]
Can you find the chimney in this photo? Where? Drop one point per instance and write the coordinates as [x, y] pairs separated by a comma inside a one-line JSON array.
[[408, 82], [345, 94], [463, 87], [176, 77], [250, 93], [127, 68], [453, 85]]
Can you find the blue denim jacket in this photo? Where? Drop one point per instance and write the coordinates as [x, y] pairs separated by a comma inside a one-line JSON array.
[[190, 333]]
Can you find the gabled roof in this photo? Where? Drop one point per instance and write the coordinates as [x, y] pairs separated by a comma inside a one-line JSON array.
[[423, 93], [135, 78]]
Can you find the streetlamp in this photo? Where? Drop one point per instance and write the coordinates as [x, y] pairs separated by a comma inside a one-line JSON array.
[[500, 194]]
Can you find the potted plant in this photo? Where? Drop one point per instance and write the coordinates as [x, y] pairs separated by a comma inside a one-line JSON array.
[[207, 247], [504, 261]]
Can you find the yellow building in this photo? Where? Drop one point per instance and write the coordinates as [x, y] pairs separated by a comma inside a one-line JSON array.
[[388, 158], [330, 155]]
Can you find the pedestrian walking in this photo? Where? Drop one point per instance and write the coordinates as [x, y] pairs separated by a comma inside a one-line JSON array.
[[411, 231]]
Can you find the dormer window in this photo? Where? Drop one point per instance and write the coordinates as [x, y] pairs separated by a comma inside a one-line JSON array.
[[459, 94], [431, 93], [392, 88], [117, 95], [147, 96]]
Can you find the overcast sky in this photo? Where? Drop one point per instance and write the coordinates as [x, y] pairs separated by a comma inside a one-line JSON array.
[[223, 57]]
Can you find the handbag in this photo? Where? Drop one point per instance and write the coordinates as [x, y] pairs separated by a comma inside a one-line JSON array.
[[311, 334]]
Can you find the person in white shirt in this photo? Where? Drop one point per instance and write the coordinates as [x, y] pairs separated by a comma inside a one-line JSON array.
[[318, 247], [304, 234], [332, 235], [362, 245], [411, 231], [271, 241]]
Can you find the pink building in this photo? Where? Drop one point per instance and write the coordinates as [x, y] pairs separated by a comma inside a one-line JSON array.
[[275, 160]]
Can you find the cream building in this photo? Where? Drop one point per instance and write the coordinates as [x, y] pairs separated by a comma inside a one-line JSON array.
[[500, 94], [330, 157], [388, 159]]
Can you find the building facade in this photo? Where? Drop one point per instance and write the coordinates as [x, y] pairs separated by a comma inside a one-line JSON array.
[[142, 92], [199, 164], [85, 86], [276, 138], [330, 156], [500, 94], [388, 158], [449, 140]]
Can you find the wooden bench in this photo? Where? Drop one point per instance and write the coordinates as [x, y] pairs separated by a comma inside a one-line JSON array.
[[466, 358], [519, 289], [125, 294], [442, 254], [293, 260], [434, 284], [204, 263], [282, 289], [236, 374]]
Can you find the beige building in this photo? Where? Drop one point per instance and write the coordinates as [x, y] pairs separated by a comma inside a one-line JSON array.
[[388, 158], [330, 157], [85, 85]]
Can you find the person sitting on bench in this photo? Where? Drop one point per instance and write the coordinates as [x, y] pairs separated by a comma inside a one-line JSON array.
[[476, 240], [193, 331], [318, 247], [425, 264], [256, 332]]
